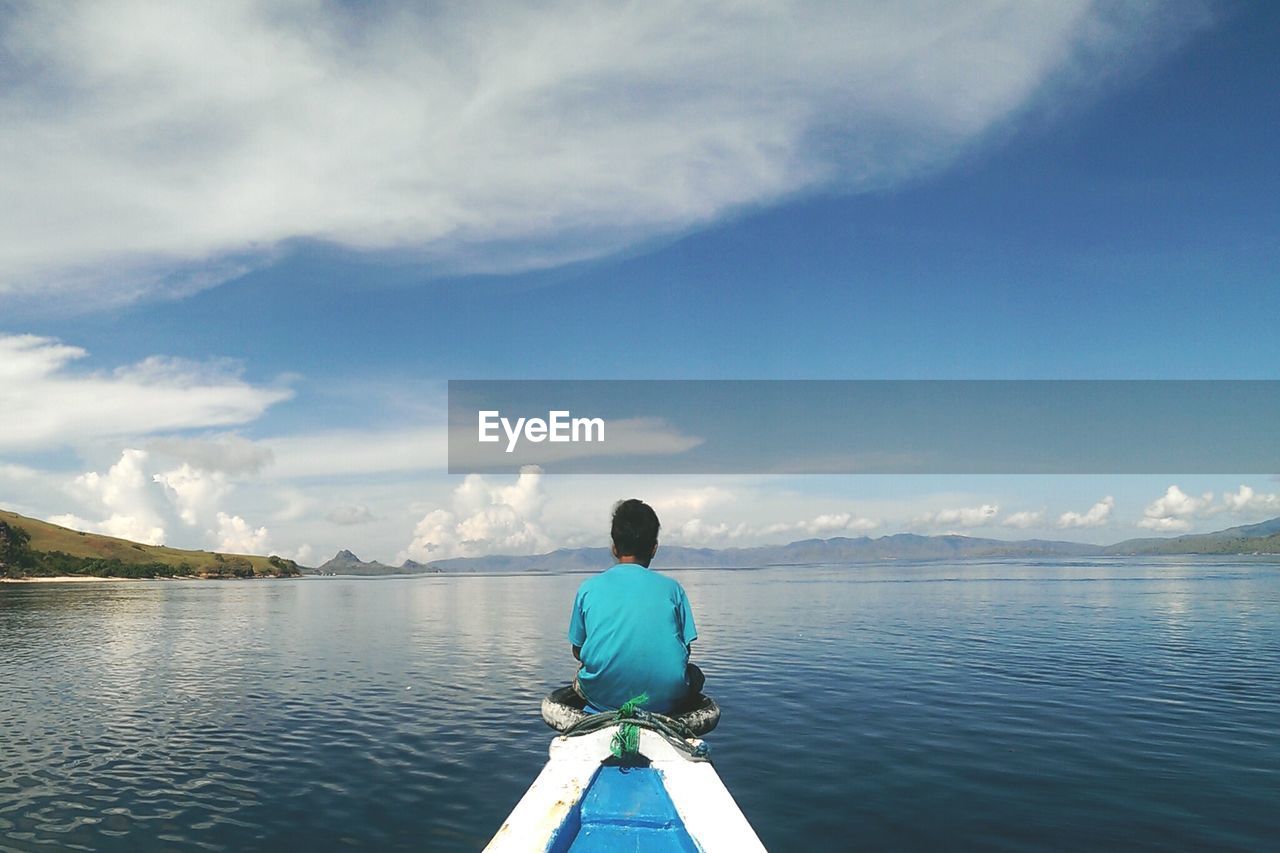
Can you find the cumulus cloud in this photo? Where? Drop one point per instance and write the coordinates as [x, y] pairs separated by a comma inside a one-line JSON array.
[[485, 519], [699, 533], [166, 146], [703, 533], [1165, 524], [60, 406], [133, 501], [1246, 501], [826, 524], [974, 516], [1174, 510], [195, 493], [237, 536], [1023, 520], [1096, 516], [124, 494]]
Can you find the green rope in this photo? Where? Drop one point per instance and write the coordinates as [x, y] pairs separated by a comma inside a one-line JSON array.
[[626, 740], [671, 730]]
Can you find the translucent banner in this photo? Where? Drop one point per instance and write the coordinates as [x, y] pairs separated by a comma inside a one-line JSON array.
[[865, 427]]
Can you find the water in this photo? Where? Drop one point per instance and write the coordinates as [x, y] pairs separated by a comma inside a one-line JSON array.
[[1003, 705]]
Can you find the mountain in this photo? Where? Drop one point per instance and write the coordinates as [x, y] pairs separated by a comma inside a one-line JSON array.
[[346, 563], [901, 546], [1247, 539], [1261, 538], [29, 547], [416, 568]]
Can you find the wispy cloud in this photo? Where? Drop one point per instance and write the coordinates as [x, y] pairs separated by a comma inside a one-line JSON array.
[[354, 452], [167, 146], [60, 406], [350, 515]]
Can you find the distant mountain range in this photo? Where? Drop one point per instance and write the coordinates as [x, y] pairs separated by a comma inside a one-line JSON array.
[[1263, 538], [346, 563]]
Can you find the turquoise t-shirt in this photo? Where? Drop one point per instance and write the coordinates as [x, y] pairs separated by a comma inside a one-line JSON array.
[[634, 627]]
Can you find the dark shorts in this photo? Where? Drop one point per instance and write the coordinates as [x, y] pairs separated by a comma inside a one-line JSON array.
[[692, 675]]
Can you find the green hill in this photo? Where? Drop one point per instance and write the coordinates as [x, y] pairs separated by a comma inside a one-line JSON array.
[[32, 548]]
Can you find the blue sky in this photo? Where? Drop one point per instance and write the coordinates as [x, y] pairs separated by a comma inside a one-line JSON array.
[[276, 232]]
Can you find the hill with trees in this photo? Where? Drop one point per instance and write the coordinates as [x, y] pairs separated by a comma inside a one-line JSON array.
[[32, 548]]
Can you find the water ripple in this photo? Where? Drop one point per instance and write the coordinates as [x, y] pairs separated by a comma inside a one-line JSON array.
[[1004, 705]]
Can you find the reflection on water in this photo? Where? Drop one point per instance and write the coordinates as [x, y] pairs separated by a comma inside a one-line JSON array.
[[1005, 705]]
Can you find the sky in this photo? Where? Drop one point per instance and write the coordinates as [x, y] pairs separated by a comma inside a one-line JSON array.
[[244, 246]]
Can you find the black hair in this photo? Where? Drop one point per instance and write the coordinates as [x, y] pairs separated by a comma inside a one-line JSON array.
[[635, 530]]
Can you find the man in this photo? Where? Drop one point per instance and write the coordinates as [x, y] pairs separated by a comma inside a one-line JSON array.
[[631, 627]]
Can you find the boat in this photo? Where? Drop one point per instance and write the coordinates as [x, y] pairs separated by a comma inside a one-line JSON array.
[[626, 780]]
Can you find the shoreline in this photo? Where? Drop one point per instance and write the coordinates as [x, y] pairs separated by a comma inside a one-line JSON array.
[[65, 579], [94, 579]]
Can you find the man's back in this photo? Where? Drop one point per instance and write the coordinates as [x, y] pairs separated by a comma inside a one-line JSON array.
[[634, 627]]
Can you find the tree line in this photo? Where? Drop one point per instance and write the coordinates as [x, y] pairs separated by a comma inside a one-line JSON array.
[[18, 559]]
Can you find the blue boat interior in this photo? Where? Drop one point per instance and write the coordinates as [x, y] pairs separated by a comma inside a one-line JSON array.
[[623, 809]]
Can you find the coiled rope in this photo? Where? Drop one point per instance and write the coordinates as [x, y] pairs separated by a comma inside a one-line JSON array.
[[630, 718]]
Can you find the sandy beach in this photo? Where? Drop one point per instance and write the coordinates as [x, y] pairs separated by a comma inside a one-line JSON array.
[[64, 579]]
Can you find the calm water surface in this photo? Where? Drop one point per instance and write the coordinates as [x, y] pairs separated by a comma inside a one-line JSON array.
[[1001, 705]]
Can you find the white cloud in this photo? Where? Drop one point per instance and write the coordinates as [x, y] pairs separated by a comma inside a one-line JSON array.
[[975, 516], [228, 454], [1174, 510], [133, 501], [1023, 520], [1177, 503], [1096, 516], [125, 494], [18, 473], [350, 514], [155, 146], [196, 493], [1165, 524], [1246, 501], [697, 533], [237, 536], [294, 504], [485, 519], [825, 525], [690, 501], [701, 533], [346, 452], [60, 406]]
